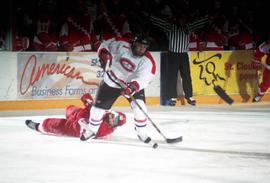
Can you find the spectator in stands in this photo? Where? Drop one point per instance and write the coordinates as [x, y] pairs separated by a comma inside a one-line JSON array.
[[22, 26], [2, 41], [197, 41], [46, 38], [245, 41], [113, 25], [215, 39], [77, 33], [21, 43], [111, 29]]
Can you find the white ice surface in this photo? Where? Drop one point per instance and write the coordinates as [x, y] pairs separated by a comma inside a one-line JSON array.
[[222, 144]]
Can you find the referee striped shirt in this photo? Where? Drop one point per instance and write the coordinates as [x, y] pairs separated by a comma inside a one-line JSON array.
[[178, 36]]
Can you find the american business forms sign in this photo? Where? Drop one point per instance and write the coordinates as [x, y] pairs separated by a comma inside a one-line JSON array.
[[57, 75]]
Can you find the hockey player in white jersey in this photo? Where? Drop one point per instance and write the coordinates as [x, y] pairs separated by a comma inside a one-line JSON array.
[[132, 68]]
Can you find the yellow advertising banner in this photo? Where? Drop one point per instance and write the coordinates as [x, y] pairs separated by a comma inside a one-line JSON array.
[[231, 70]]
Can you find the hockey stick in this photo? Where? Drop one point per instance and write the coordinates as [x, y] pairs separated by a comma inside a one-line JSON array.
[[123, 85], [168, 140], [223, 95], [266, 66]]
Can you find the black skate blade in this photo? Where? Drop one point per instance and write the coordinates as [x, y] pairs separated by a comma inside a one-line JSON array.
[[32, 125], [85, 138], [174, 140]]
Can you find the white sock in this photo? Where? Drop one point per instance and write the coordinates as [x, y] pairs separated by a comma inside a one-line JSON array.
[[96, 117], [140, 119]]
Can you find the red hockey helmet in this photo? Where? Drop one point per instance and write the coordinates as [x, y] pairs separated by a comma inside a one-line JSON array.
[[115, 119]]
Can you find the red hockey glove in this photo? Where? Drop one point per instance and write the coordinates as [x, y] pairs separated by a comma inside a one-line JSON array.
[[131, 89], [104, 57], [87, 99]]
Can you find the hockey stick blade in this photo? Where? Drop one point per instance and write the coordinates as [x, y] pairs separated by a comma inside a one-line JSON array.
[[174, 140], [223, 95]]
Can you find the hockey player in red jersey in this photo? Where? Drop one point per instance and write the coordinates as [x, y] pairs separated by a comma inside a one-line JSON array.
[[75, 117], [132, 68], [46, 38], [77, 33], [262, 50]]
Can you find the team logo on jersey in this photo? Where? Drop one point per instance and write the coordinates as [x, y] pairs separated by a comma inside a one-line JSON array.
[[127, 65]]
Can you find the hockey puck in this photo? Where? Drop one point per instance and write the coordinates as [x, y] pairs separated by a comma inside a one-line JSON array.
[[155, 145]]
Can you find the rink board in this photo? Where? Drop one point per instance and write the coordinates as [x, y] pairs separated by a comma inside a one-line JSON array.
[[42, 80]]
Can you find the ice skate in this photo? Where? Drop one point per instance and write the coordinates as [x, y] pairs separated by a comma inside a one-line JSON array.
[[191, 101], [142, 134], [31, 124], [172, 102], [257, 98], [86, 133]]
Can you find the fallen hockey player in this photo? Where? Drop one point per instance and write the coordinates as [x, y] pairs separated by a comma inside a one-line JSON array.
[[76, 119]]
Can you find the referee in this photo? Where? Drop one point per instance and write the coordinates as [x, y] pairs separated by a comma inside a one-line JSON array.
[[178, 34]]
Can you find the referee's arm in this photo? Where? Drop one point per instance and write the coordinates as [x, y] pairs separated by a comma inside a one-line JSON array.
[[198, 24], [162, 24]]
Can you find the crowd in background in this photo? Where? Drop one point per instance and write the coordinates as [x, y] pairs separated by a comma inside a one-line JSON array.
[[66, 25]]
